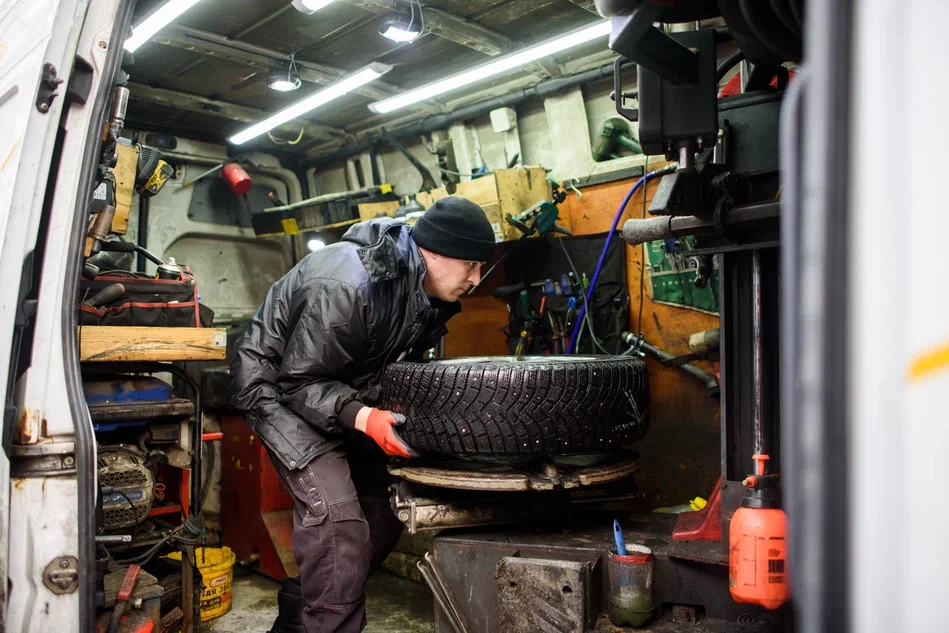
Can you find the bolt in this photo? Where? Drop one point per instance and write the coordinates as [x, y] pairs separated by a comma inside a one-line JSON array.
[[64, 586], [44, 107], [64, 564], [69, 460], [103, 44], [403, 516]]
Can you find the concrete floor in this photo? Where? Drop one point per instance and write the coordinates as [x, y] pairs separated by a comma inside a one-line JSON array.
[[393, 605]]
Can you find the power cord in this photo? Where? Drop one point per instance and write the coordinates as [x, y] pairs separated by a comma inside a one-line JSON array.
[[134, 514], [586, 316]]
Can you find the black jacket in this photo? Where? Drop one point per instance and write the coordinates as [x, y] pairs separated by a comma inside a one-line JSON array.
[[314, 352]]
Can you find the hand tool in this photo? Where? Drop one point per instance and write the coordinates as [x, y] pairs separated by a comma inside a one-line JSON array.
[[618, 537], [443, 595], [122, 600]]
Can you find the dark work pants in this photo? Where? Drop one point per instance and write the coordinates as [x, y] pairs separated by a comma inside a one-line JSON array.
[[343, 528]]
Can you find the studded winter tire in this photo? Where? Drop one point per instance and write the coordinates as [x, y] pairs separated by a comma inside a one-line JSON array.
[[520, 406]]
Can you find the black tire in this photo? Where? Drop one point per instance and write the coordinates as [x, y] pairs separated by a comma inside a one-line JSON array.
[[540, 405]]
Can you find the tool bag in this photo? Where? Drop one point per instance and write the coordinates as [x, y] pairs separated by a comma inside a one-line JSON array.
[[142, 301]]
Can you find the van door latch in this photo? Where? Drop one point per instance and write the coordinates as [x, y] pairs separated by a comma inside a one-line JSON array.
[[49, 82], [61, 576]]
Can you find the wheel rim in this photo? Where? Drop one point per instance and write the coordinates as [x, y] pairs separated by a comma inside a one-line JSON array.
[[517, 360]]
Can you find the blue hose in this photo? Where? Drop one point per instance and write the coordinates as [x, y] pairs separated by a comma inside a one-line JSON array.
[[606, 247]]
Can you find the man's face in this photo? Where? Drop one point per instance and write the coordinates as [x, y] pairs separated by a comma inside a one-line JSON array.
[[448, 279]]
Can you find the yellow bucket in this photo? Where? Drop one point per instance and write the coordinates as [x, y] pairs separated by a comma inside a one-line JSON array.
[[216, 565]]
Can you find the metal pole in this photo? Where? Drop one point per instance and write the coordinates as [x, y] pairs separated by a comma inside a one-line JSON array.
[[757, 359], [187, 589]]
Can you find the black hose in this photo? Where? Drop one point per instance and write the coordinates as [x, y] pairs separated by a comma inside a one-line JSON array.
[[197, 430], [142, 232], [782, 9], [727, 64], [706, 378], [768, 28], [129, 247], [797, 8]]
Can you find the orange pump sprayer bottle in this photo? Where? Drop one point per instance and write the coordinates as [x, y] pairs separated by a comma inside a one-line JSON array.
[[757, 540]]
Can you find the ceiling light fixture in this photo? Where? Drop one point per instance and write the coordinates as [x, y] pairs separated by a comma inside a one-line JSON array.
[[399, 27], [345, 85], [283, 79], [164, 15], [493, 68], [309, 7]]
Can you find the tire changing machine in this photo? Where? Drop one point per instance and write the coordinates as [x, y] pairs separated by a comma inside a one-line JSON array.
[[550, 573]]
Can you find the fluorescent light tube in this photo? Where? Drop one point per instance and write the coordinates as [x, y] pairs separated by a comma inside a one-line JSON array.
[[164, 15], [322, 97], [493, 68]]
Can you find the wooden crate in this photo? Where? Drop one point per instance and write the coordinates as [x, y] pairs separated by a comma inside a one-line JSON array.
[[506, 191], [371, 210]]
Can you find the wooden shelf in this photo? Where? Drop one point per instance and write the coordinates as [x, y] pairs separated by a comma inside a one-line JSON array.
[[101, 344]]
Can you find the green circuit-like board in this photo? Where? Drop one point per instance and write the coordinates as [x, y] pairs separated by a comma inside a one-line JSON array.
[[671, 277]]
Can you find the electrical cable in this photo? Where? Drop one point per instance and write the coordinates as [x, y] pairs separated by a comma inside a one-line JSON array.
[[134, 518], [609, 238], [642, 274], [587, 313], [280, 141]]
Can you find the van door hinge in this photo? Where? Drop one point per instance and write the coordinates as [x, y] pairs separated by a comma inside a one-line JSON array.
[[49, 82], [61, 576]]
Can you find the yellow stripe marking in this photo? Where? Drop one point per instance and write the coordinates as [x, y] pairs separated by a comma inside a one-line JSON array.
[[930, 362], [9, 155]]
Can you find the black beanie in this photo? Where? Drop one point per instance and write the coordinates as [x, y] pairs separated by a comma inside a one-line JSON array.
[[456, 228]]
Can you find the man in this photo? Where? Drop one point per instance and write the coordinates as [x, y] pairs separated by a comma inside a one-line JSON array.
[[307, 372]]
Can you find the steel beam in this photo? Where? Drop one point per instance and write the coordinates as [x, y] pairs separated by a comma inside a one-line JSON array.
[[448, 25], [586, 5], [260, 58], [223, 109]]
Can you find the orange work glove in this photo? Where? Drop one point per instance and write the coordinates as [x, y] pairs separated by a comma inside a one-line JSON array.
[[380, 426]]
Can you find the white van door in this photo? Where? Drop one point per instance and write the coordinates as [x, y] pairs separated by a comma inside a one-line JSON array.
[[54, 54]]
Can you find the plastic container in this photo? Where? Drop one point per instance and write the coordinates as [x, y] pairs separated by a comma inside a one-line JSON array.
[[216, 565], [757, 537], [630, 598], [236, 178]]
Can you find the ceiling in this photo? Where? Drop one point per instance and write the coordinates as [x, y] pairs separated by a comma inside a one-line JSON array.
[[204, 76]]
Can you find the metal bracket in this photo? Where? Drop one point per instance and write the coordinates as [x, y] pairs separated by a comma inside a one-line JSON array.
[[61, 576], [634, 37], [49, 82]]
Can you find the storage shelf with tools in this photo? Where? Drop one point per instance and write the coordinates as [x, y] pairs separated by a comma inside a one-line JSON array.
[[147, 344]]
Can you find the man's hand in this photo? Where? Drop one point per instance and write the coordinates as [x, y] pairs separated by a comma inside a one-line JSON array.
[[380, 426]]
